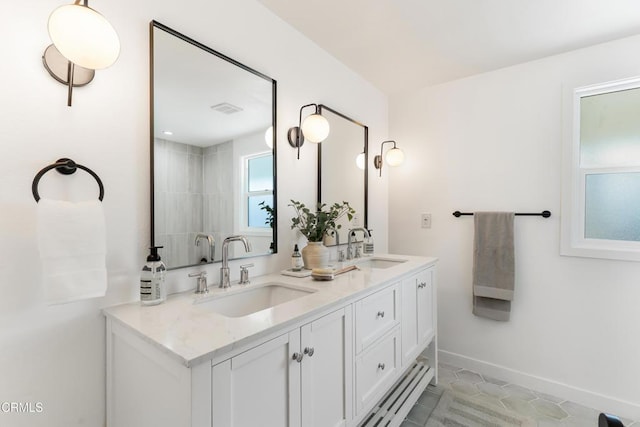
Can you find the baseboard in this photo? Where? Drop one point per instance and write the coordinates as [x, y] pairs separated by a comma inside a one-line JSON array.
[[588, 398]]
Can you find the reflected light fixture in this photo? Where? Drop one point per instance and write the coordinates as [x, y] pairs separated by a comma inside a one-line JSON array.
[[268, 137], [83, 41], [394, 156], [315, 128], [360, 161]]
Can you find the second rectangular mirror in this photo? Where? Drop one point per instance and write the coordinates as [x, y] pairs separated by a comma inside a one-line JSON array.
[[342, 169]]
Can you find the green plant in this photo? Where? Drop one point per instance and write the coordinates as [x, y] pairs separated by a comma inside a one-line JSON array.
[[269, 210], [314, 225]]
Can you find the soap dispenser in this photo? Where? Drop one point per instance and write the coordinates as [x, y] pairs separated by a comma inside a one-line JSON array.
[[152, 287], [296, 259], [368, 245]]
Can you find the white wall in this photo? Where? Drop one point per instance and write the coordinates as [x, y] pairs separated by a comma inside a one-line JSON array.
[[55, 355], [493, 142]]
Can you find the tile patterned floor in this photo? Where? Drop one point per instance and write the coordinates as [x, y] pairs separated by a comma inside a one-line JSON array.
[[547, 410]]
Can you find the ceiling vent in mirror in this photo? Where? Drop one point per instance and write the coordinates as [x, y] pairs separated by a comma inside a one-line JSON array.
[[226, 108]]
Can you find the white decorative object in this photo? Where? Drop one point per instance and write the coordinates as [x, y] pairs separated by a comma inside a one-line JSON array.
[[315, 255]]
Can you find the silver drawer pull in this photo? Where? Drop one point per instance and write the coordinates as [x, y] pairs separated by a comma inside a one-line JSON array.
[[381, 366], [297, 357], [309, 351], [422, 285], [380, 314]]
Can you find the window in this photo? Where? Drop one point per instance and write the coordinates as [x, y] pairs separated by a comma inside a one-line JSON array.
[[258, 190], [601, 186]]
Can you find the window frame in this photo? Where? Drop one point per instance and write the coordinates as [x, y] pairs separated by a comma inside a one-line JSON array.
[[572, 240], [245, 194]]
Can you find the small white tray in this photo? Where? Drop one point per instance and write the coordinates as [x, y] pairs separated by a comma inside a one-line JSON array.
[[301, 273]]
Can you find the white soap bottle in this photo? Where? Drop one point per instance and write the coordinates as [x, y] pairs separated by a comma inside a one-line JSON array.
[[152, 279]]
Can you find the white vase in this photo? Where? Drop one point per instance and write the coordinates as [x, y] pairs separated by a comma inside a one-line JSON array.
[[315, 255]]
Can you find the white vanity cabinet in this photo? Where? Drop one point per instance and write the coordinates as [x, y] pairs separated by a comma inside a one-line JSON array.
[[327, 360], [296, 379], [418, 313]]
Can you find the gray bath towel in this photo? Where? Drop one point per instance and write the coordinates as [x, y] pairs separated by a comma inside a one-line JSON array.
[[493, 265]]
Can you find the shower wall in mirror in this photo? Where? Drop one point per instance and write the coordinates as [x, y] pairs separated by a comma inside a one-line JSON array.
[[342, 169], [213, 167]]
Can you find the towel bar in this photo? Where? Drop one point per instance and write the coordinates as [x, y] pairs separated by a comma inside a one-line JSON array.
[[544, 214], [66, 167]]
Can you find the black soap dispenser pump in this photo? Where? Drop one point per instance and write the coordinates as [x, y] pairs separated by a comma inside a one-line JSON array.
[[152, 279]]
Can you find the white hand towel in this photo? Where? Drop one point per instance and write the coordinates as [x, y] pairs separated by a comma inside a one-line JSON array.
[[72, 244]]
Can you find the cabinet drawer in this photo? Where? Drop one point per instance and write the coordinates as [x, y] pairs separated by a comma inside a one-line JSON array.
[[375, 315], [376, 369]]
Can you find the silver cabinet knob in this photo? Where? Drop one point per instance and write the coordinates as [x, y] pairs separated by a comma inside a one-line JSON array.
[[297, 357], [422, 285], [381, 314], [309, 351], [381, 366]]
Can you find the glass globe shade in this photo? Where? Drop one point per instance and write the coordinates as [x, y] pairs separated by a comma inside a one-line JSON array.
[[360, 161], [315, 128], [394, 157], [268, 137], [84, 36]]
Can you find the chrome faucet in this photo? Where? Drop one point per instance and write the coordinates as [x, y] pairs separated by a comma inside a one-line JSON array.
[[224, 270], [201, 287], [212, 244], [352, 233], [335, 234]]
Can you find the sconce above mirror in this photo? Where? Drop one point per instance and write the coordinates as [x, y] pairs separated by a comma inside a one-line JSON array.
[[83, 41], [314, 128], [343, 169], [213, 163]]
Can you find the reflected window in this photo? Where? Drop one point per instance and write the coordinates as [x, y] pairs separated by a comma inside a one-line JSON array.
[[259, 190]]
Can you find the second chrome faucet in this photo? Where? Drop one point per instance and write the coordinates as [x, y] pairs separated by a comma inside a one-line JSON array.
[[224, 270]]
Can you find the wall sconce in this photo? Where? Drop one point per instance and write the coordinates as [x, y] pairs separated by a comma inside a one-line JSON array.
[[83, 41], [394, 157], [314, 128]]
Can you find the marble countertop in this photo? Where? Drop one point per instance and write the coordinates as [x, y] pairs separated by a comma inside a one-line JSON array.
[[190, 333]]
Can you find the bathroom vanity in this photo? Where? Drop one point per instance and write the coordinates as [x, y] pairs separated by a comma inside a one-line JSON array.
[[281, 351]]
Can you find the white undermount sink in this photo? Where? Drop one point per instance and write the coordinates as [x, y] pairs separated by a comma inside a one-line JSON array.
[[380, 263], [253, 299]]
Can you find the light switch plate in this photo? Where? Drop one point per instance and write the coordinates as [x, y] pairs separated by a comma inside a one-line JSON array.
[[425, 220]]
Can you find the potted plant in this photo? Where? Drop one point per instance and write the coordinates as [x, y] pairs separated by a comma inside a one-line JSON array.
[[269, 213], [314, 225], [269, 218]]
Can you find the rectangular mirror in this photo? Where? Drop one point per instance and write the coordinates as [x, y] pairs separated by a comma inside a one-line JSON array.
[[343, 170], [213, 162]]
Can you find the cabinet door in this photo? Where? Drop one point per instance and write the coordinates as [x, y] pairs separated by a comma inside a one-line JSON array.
[[425, 299], [409, 299], [417, 314], [253, 388], [327, 370]]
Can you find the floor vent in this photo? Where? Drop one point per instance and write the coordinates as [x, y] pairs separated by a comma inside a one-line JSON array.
[[396, 404]]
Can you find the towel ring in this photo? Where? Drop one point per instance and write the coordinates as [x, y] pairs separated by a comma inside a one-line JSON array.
[[66, 167]]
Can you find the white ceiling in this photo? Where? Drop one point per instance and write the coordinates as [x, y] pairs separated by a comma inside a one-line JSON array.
[[400, 45]]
